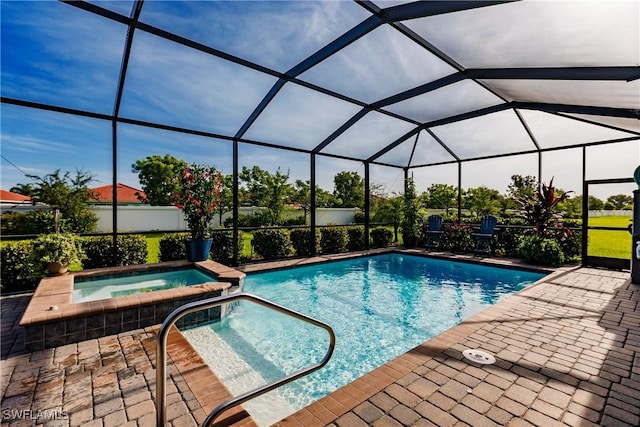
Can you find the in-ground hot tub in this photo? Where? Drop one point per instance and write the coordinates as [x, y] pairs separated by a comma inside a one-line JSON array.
[[52, 318]]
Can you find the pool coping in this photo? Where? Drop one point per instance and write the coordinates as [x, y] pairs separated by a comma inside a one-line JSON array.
[[347, 397], [52, 318]]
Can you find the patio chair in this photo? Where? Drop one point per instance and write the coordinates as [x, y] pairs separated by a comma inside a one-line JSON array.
[[484, 237], [434, 232]]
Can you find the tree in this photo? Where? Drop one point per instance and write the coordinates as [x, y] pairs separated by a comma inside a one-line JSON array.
[[24, 189], [390, 211], [159, 178], [483, 201], [520, 186], [226, 196], [264, 189], [571, 207], [69, 194], [410, 220], [619, 201], [301, 196], [348, 190], [324, 199], [442, 196], [595, 204]]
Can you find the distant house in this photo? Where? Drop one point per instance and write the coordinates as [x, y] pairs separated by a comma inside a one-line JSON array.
[[125, 194], [7, 198]]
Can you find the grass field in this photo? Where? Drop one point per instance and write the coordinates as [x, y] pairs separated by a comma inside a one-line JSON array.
[[610, 244]]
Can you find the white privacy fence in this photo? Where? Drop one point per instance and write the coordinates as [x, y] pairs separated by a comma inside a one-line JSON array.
[[610, 213], [142, 218]]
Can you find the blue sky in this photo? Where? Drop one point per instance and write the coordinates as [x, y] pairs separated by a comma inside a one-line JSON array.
[[56, 54]]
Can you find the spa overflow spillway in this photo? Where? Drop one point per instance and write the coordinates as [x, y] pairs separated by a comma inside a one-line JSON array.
[[379, 306]]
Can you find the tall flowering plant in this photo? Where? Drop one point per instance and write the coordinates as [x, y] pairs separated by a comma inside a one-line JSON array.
[[199, 196]]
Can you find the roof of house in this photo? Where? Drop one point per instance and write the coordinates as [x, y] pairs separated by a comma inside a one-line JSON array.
[[125, 194], [8, 196]]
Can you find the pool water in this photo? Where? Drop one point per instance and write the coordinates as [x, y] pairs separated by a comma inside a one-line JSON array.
[[379, 308], [101, 287]]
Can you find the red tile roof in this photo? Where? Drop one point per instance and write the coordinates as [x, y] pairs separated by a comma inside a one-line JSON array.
[[8, 196], [126, 194]]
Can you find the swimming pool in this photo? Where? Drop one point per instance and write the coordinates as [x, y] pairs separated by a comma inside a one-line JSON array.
[[379, 307], [92, 288]]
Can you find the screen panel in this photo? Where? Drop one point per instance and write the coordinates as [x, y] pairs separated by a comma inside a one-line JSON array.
[[538, 34], [447, 101], [56, 54], [379, 64], [171, 84], [551, 130], [300, 117], [368, 135], [275, 34], [497, 133]]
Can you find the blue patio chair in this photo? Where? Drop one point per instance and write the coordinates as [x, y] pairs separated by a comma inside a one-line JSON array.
[[484, 237], [434, 232]]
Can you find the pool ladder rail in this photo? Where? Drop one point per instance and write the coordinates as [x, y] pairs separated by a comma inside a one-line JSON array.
[[177, 314]]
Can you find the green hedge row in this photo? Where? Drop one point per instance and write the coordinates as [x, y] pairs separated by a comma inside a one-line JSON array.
[[19, 274], [456, 237], [280, 243], [172, 246]]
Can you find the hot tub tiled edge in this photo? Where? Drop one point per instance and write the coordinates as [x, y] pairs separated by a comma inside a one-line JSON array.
[[52, 319]]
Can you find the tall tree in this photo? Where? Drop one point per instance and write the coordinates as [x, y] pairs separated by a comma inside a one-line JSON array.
[[69, 194], [520, 187], [226, 196], [158, 176], [619, 201], [390, 211], [595, 204], [348, 190], [441, 196], [264, 189], [24, 189], [483, 201]]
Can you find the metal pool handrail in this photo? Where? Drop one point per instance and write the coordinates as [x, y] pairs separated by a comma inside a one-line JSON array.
[[161, 353]]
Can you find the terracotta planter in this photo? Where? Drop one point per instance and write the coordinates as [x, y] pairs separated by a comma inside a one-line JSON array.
[[57, 269], [198, 249]]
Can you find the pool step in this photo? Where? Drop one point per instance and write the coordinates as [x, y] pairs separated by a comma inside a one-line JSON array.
[[238, 376]]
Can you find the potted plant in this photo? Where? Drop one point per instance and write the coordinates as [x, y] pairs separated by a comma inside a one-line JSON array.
[[54, 253], [410, 220], [199, 196]]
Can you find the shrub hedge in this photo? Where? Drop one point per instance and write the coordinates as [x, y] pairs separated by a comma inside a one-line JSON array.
[[356, 238], [381, 237], [222, 246], [132, 250], [333, 240], [456, 237], [272, 243], [541, 250], [301, 241], [508, 239], [172, 247], [34, 222], [16, 272]]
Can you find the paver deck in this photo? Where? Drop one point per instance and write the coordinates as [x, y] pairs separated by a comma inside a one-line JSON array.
[[567, 351]]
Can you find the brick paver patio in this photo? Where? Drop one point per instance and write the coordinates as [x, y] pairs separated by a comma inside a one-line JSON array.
[[567, 351]]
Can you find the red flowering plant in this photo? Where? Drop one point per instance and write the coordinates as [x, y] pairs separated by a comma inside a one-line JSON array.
[[199, 197]]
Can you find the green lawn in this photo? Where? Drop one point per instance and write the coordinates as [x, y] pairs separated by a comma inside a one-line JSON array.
[[611, 244], [153, 248]]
